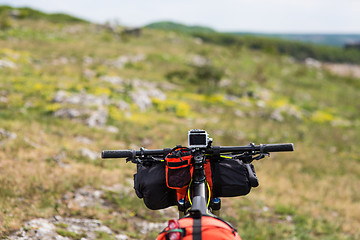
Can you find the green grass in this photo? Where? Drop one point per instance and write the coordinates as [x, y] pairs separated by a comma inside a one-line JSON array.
[[72, 235], [311, 193], [29, 13], [177, 27]]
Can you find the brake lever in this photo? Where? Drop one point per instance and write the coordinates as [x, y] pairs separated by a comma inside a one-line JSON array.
[[245, 157], [248, 157], [133, 160], [261, 156]]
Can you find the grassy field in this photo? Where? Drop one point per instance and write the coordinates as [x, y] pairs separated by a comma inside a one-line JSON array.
[[237, 94]]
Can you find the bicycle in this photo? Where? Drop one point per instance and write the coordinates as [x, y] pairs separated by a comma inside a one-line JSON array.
[[198, 199]]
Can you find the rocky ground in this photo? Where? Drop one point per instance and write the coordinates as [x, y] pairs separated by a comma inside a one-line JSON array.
[[66, 228], [340, 69]]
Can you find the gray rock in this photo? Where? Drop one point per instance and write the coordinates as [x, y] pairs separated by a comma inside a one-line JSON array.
[[81, 99], [170, 212], [150, 87], [84, 197], [88, 60], [68, 113], [199, 61], [225, 82], [121, 237], [3, 99], [111, 129], [231, 98], [145, 91], [97, 118], [84, 140], [89, 74], [142, 99], [58, 158], [88, 99], [261, 104], [277, 116], [294, 112], [239, 113], [15, 13], [145, 227], [313, 63], [146, 142], [6, 136], [119, 188], [31, 143], [45, 229], [37, 229], [289, 218], [112, 79], [124, 59], [89, 154], [60, 96], [122, 105], [61, 61], [7, 64], [93, 118]]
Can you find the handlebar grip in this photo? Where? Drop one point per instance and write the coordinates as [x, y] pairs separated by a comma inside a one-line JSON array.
[[281, 147], [117, 153]]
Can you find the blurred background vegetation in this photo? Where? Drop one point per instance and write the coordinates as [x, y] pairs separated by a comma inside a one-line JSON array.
[[70, 88]]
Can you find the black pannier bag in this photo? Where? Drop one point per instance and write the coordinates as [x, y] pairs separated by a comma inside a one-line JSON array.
[[150, 184], [232, 177]]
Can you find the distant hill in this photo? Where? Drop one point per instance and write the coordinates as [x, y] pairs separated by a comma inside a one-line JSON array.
[[296, 49], [338, 40], [178, 27], [324, 39], [323, 47], [29, 13]]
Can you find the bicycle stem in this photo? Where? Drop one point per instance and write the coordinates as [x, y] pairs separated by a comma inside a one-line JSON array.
[[199, 177]]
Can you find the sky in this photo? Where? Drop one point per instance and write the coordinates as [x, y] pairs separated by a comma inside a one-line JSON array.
[[267, 16]]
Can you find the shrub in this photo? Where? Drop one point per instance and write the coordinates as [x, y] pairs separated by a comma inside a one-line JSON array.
[[5, 22], [178, 75], [208, 77]]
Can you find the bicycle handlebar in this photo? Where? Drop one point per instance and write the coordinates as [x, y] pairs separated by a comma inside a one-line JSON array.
[[134, 153], [283, 147], [117, 153], [262, 148]]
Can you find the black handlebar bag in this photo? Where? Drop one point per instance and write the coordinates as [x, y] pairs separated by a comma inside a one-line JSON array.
[[231, 177], [150, 184]]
